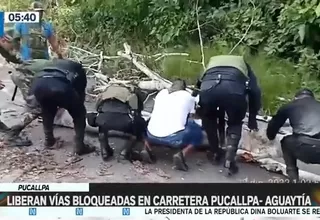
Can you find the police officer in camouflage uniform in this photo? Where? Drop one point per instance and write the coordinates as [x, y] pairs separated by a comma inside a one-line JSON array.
[[225, 85], [31, 42], [62, 84], [7, 52], [29, 69], [119, 108]]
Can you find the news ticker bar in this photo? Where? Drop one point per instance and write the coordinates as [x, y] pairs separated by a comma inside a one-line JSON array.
[[171, 213], [141, 195]]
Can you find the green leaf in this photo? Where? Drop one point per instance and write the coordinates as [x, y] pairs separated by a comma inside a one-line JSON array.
[[317, 10], [302, 32]]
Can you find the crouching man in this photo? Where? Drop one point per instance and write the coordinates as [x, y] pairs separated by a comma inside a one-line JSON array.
[[226, 84], [171, 124], [119, 109], [62, 85], [304, 143]]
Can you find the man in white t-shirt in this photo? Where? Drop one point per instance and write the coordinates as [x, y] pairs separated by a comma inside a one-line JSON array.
[[171, 125]]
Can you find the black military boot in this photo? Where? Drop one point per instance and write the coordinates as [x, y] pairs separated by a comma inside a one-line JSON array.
[[127, 153], [106, 150], [80, 147], [293, 174], [230, 166], [290, 161], [49, 139], [216, 157]]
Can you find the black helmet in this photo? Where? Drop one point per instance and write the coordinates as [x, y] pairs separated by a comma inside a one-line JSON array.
[[304, 92]]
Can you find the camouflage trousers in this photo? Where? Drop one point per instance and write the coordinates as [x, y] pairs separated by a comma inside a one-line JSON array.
[[23, 79]]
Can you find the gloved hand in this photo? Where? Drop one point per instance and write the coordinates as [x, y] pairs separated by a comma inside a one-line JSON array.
[[252, 123]]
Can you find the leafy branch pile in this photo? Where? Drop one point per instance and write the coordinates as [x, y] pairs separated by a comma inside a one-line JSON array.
[[281, 39]]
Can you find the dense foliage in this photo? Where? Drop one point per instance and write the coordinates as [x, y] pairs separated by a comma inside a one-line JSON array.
[[265, 31], [284, 28]]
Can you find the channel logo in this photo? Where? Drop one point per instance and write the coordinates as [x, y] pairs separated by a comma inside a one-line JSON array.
[[3, 199]]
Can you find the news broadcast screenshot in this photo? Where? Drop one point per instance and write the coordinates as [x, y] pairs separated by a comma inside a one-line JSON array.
[[159, 110]]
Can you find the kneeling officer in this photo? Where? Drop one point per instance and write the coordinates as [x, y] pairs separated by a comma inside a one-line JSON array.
[[304, 142], [62, 85], [225, 85], [119, 109]]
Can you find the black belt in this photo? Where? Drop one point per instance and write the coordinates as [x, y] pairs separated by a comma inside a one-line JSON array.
[[224, 77], [51, 74], [221, 77], [114, 111]]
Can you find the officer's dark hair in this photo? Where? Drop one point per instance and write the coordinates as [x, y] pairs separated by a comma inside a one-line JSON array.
[[303, 93], [178, 84]]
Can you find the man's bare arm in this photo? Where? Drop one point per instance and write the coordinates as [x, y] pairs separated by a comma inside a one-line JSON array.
[[55, 45]]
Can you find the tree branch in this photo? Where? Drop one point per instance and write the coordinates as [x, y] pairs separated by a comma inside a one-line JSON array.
[[200, 36], [245, 34]]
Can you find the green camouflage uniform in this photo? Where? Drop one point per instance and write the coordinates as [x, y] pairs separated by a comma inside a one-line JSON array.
[[22, 77]]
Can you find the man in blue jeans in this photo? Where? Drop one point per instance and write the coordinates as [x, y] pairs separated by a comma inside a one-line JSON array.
[[171, 124]]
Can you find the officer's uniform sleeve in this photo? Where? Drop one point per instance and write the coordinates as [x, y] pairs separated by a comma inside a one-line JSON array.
[[80, 83], [277, 121], [254, 93]]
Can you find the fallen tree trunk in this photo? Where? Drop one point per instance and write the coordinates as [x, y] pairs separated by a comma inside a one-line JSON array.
[[141, 66]]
